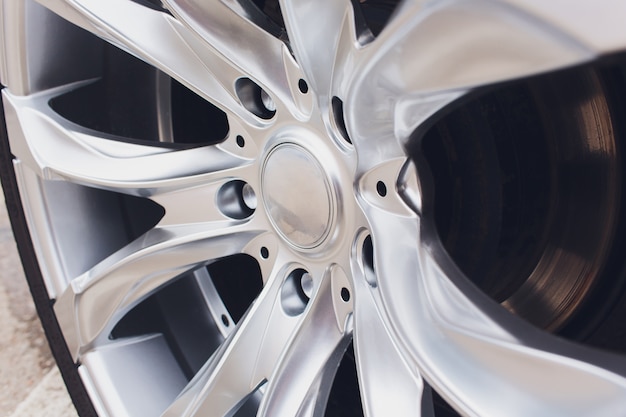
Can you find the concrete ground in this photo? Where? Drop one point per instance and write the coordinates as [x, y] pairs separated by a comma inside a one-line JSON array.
[[30, 384]]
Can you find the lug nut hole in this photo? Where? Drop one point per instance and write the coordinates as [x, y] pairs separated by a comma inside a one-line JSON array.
[[294, 297], [265, 253], [256, 100], [345, 294], [225, 320], [237, 199], [241, 142]]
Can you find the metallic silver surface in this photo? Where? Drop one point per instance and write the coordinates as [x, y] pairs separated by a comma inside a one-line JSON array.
[[297, 196], [314, 199]]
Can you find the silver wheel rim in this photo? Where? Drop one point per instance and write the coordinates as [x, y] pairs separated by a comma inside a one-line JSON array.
[[409, 304]]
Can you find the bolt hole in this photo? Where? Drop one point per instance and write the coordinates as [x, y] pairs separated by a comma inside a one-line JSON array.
[[241, 142], [225, 320], [337, 106], [345, 294], [256, 100], [236, 199], [265, 253], [303, 86], [381, 188], [293, 296], [367, 260]]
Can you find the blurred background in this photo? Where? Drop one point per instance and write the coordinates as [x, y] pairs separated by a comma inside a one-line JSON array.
[[30, 384]]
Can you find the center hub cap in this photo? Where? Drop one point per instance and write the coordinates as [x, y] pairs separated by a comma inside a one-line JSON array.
[[297, 195]]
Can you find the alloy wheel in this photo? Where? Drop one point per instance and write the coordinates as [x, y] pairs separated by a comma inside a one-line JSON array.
[[253, 208]]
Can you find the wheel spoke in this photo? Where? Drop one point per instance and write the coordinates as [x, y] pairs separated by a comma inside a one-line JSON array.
[[429, 54], [451, 330], [596, 25], [321, 49], [372, 342], [162, 41], [262, 347], [253, 51], [214, 384], [94, 302], [301, 383], [417, 321], [57, 149]]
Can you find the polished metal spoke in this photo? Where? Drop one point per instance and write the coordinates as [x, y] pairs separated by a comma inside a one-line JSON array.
[[94, 302], [231, 375], [306, 34], [372, 343], [596, 25], [228, 29], [160, 40], [263, 348], [430, 53], [216, 390], [300, 384], [451, 330], [58, 149]]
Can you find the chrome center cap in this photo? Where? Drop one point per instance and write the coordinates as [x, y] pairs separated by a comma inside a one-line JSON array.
[[297, 195]]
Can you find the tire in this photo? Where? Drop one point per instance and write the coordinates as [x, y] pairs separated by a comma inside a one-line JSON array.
[[224, 210]]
